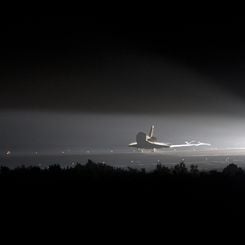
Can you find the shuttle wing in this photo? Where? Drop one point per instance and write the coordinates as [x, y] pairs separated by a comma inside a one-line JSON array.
[[159, 144], [189, 144], [177, 146]]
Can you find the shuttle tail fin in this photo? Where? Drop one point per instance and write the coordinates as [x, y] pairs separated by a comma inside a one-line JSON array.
[[151, 131]]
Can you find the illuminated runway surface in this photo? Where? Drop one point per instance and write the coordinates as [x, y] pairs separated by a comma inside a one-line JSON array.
[[205, 159]]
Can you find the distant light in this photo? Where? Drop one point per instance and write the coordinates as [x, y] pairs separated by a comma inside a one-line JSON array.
[[8, 152]]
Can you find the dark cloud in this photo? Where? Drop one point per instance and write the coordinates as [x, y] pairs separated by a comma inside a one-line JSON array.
[[133, 64]]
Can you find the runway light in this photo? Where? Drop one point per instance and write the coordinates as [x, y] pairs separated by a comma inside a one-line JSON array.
[[8, 153]]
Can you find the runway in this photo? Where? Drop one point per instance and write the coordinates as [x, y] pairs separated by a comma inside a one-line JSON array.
[[205, 159]]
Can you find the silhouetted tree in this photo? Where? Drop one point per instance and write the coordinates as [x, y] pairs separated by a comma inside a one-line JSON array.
[[194, 169], [160, 169], [232, 170], [180, 168], [4, 170], [55, 169]]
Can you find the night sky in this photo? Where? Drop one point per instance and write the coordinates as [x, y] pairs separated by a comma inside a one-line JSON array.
[[96, 81]]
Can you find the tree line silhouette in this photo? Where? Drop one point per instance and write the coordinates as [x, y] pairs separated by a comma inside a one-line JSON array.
[[177, 190], [96, 171]]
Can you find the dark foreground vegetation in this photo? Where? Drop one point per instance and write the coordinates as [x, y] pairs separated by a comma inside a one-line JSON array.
[[96, 190]]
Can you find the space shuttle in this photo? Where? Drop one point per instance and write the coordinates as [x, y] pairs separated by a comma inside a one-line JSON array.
[[144, 141]]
